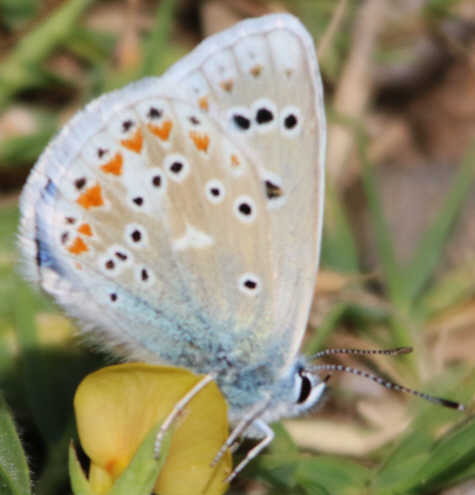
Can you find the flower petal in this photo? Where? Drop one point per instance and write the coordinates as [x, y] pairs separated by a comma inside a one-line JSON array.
[[117, 406]]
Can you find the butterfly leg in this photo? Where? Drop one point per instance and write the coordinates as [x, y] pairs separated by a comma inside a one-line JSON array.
[[240, 428], [235, 446], [255, 451], [178, 407]]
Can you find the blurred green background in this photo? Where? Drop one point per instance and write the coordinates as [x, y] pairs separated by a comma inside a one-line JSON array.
[[398, 265]]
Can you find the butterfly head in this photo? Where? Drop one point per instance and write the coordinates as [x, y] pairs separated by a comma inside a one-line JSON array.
[[300, 391]]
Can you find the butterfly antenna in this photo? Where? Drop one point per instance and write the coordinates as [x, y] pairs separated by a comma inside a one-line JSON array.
[[398, 351], [393, 386]]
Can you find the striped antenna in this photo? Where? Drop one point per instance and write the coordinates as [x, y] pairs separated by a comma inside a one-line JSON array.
[[398, 351], [393, 386]]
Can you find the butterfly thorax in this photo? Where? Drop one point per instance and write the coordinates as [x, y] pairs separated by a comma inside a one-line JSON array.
[[283, 396]]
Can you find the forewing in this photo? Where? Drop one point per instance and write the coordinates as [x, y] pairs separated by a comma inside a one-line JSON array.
[[180, 217], [142, 219], [261, 81]]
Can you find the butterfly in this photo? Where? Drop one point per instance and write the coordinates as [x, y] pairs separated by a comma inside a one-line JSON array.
[[179, 218]]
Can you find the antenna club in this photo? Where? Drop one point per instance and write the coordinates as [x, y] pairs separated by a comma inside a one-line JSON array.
[[404, 350]]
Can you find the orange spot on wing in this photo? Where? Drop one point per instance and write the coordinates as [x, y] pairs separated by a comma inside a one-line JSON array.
[[91, 197], [78, 266], [113, 166], [227, 85], [235, 161], [162, 131], [203, 103], [201, 140], [135, 142], [256, 70], [78, 246], [85, 229]]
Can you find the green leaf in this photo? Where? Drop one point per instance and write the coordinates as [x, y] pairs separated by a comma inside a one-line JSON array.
[[415, 443], [398, 476], [138, 478], [332, 475], [14, 473], [312, 487], [79, 483], [141, 474], [275, 470], [448, 458], [420, 458], [283, 443]]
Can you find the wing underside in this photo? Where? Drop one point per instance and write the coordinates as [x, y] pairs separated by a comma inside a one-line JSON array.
[[180, 217]]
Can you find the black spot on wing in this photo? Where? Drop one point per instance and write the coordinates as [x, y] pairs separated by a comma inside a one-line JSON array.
[[273, 190]]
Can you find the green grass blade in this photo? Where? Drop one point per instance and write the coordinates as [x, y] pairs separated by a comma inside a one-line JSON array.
[[14, 473], [154, 53], [93, 46], [19, 69], [391, 269], [428, 252], [403, 463], [448, 458], [338, 246], [453, 288]]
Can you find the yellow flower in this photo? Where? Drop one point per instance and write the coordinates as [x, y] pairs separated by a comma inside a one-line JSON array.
[[116, 407]]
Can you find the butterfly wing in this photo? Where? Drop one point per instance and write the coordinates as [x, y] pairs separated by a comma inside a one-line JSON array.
[[178, 237], [131, 221], [261, 80]]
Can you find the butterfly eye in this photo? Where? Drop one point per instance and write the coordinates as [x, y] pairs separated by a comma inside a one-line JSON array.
[[305, 388], [308, 389]]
